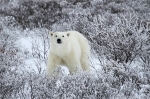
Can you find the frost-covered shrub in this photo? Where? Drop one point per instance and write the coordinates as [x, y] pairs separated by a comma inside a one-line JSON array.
[[11, 59], [32, 14], [125, 39], [82, 85]]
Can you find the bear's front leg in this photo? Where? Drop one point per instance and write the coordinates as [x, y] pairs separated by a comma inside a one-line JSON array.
[[73, 64], [53, 62]]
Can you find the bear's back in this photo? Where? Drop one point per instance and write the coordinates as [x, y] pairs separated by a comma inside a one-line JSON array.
[[83, 42], [77, 35]]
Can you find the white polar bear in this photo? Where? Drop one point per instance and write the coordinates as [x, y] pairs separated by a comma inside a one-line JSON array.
[[70, 49]]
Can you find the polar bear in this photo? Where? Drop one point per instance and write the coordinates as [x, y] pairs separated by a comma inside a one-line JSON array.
[[70, 49]]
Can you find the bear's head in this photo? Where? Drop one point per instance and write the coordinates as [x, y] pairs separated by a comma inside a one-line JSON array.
[[59, 38], [59, 43]]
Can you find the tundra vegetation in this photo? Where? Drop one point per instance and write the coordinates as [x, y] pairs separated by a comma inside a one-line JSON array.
[[119, 35]]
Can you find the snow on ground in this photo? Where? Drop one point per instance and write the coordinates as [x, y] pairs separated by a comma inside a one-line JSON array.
[[31, 63], [26, 43], [95, 63]]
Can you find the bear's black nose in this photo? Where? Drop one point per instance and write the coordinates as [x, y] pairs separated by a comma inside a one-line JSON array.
[[59, 41]]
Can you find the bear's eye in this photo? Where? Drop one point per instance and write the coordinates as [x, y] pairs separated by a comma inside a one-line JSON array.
[[63, 36], [55, 35]]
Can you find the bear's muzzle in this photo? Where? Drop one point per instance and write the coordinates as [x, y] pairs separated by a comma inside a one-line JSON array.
[[59, 41]]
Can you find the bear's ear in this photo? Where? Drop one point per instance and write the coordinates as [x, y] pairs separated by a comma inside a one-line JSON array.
[[51, 33], [68, 34]]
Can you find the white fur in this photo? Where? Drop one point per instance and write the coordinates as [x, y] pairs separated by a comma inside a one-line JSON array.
[[73, 52]]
